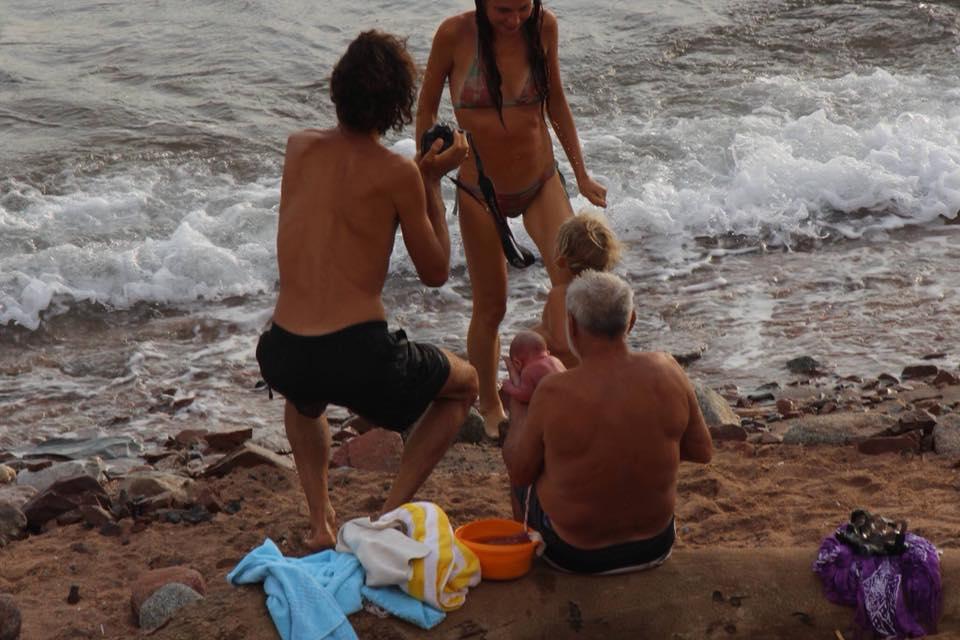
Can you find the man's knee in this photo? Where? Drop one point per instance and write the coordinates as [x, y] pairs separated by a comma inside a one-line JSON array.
[[463, 383]]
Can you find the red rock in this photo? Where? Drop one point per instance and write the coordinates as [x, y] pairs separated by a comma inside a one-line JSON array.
[[227, 440], [890, 444], [207, 498], [728, 432], [70, 517], [916, 419], [148, 583], [95, 516], [785, 406], [377, 450], [829, 407], [359, 424], [182, 402], [247, 456], [186, 438], [344, 433], [919, 371], [945, 378], [935, 408], [61, 497]]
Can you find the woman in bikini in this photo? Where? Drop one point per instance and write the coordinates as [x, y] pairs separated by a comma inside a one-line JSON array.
[[504, 77]]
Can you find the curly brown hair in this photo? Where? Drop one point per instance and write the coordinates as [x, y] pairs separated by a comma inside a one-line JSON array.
[[374, 84]]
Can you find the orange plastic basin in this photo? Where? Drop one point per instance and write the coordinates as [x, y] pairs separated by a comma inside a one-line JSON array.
[[497, 561]]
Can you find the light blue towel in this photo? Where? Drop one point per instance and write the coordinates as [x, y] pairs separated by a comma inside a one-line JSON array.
[[404, 606], [310, 597]]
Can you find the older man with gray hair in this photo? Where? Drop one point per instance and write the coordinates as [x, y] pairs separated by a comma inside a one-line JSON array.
[[594, 464]]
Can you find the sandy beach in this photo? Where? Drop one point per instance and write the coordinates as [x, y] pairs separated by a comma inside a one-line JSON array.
[[759, 494]]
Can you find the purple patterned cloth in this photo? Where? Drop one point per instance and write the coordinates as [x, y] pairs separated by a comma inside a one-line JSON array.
[[895, 596]]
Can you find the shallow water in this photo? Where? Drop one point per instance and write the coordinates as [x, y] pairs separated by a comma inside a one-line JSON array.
[[780, 171]]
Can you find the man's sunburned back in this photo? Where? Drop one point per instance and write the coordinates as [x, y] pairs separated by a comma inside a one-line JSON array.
[[336, 230], [612, 439]]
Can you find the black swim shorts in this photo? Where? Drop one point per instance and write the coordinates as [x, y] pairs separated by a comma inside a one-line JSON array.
[[635, 555], [379, 375]]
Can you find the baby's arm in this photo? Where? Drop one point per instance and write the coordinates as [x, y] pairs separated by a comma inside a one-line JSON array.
[[529, 378]]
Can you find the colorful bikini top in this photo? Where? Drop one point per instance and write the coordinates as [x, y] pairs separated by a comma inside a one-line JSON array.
[[476, 95]]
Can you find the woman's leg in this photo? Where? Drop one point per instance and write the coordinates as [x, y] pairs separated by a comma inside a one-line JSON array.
[[542, 219], [488, 282]]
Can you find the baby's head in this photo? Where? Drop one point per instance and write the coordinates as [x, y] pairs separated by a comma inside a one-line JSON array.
[[586, 242], [527, 345]]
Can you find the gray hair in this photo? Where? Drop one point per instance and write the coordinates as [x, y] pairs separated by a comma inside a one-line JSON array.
[[601, 303]]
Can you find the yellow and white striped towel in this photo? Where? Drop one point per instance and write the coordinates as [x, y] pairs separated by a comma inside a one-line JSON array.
[[437, 568]]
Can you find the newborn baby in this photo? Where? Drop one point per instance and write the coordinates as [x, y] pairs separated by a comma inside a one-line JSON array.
[[529, 362]]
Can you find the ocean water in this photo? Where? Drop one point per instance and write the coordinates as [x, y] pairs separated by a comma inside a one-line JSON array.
[[784, 174]]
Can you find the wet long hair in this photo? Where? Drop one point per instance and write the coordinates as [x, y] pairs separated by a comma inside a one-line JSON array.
[[535, 55]]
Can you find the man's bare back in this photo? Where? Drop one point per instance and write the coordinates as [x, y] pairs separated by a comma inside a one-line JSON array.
[[633, 416], [338, 220]]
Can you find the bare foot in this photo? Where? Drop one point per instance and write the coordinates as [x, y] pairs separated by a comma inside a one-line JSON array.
[[323, 536], [492, 421]]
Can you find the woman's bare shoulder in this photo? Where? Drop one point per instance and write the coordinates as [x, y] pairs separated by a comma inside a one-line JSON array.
[[550, 21], [456, 26]]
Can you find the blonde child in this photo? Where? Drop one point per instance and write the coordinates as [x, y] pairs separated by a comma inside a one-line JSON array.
[[583, 242]]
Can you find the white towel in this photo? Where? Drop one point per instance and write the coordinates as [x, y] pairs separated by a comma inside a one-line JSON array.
[[414, 548]]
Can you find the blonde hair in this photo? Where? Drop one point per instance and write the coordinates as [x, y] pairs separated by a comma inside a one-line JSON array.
[[586, 242]]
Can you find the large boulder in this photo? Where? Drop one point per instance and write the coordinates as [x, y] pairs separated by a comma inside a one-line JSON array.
[[376, 450], [43, 478], [61, 497], [716, 411], [946, 435], [834, 428], [245, 457], [150, 483], [227, 440]]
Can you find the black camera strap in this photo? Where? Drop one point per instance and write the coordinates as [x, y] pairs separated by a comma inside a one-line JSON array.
[[517, 255]]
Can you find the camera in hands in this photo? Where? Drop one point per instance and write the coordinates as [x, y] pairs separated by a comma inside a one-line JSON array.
[[440, 130]]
